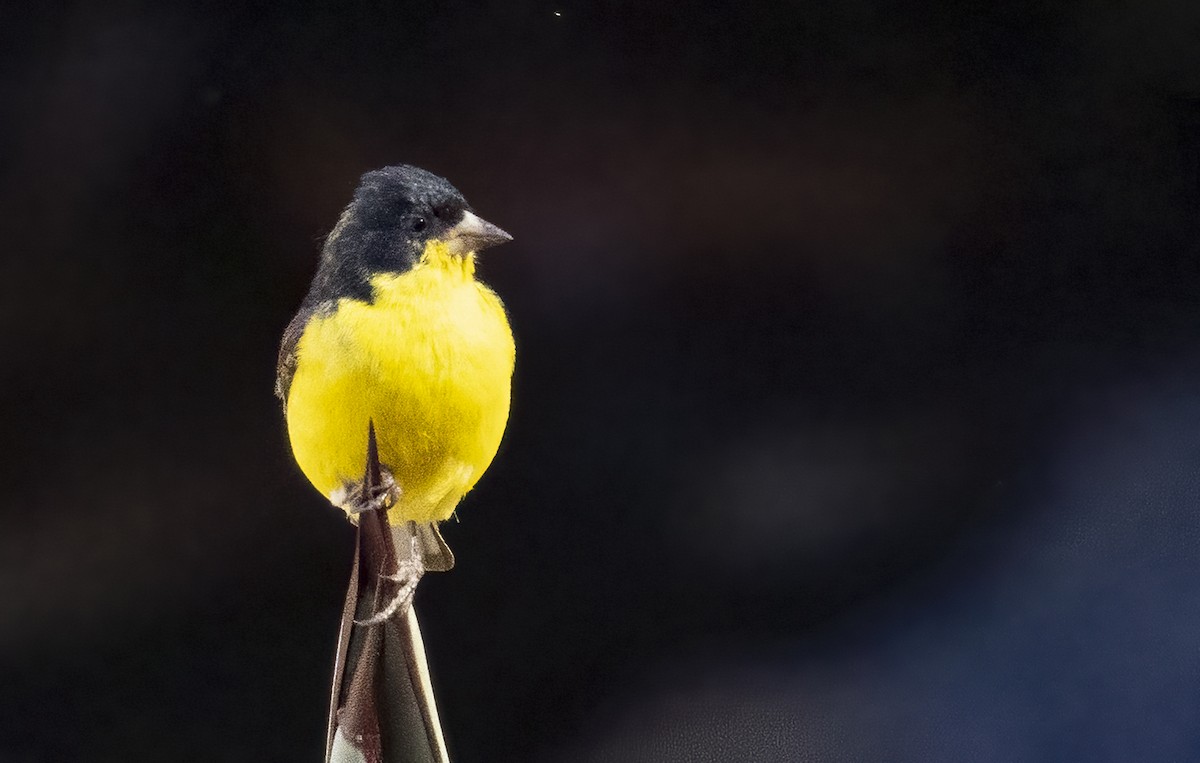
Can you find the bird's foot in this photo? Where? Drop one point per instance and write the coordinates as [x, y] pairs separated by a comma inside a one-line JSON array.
[[361, 497], [410, 568]]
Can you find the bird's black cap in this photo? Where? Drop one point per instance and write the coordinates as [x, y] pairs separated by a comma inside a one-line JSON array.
[[386, 196]]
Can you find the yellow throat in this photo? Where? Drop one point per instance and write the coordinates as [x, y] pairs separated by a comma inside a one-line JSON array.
[[430, 361]]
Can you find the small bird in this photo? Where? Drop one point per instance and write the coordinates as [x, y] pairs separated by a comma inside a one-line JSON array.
[[399, 344]]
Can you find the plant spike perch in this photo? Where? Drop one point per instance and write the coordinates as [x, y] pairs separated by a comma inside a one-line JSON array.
[[381, 708]]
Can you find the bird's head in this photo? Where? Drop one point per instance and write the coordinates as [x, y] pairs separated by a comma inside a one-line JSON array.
[[396, 215]]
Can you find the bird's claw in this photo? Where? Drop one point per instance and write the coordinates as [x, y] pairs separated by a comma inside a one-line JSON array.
[[363, 497]]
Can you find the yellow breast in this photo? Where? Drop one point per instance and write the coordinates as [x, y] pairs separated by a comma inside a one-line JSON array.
[[430, 361]]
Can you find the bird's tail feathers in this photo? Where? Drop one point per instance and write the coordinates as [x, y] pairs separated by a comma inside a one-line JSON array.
[[436, 556]]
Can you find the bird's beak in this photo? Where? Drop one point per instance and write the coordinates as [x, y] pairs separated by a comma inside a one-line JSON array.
[[474, 234]]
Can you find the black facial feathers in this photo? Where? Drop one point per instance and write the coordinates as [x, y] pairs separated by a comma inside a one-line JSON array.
[[394, 212]]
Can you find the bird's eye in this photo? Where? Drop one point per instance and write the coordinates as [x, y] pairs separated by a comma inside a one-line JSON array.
[[418, 225]]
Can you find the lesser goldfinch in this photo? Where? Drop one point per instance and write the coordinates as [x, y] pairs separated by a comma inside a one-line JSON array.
[[398, 336]]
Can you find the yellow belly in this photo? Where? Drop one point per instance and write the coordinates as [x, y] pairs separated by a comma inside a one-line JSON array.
[[430, 362]]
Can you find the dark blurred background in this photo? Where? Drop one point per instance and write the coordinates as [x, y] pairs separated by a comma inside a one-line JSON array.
[[857, 411]]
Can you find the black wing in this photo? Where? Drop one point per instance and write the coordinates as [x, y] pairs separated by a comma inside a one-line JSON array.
[[285, 368]]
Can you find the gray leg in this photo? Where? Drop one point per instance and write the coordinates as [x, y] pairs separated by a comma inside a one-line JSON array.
[[410, 568]]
